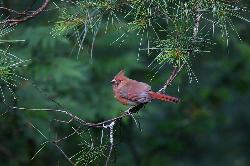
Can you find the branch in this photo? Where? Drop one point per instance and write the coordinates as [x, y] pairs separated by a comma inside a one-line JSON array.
[[173, 75], [197, 22], [73, 117], [47, 141], [111, 140], [107, 124], [11, 10], [128, 112], [15, 21]]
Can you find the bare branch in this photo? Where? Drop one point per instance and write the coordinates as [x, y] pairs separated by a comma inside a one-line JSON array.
[[28, 15], [107, 124], [11, 10], [171, 78], [111, 140], [64, 154], [46, 142], [197, 24], [128, 112]]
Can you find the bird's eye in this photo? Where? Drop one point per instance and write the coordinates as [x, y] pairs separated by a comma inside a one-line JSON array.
[[113, 81]]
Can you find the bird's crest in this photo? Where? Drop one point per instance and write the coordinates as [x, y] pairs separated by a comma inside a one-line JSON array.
[[120, 75]]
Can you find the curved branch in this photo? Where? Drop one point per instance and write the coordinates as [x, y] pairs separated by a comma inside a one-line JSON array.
[[10, 10], [15, 21], [107, 124], [128, 112]]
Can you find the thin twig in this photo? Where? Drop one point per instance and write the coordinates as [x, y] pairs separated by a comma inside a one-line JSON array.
[[67, 136], [111, 140], [197, 21], [171, 78], [47, 141], [64, 154], [128, 112], [11, 10], [15, 21], [197, 24], [104, 124]]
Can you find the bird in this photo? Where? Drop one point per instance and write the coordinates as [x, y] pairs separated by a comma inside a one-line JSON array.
[[131, 92]]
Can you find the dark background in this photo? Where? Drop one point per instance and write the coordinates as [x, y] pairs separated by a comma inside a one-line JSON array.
[[211, 126]]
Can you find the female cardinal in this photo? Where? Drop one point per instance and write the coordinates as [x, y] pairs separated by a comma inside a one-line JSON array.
[[132, 92]]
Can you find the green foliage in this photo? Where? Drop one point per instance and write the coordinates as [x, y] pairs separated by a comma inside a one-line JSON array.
[[89, 154], [222, 13], [9, 63], [69, 20], [209, 127], [173, 20]]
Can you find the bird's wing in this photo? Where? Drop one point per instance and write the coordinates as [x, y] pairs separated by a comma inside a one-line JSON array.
[[135, 91]]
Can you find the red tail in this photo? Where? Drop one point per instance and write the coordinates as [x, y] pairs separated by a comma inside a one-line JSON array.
[[159, 96]]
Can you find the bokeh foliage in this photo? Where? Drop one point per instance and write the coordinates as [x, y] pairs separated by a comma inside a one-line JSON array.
[[209, 127]]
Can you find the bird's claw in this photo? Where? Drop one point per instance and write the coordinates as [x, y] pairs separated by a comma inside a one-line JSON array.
[[128, 112]]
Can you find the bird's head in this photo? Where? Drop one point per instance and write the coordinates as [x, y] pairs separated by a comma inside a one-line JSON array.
[[120, 77]]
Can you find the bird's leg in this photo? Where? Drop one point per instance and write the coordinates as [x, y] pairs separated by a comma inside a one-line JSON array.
[[136, 108], [128, 111], [131, 114]]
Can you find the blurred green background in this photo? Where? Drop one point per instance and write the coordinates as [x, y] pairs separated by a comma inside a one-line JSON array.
[[211, 126]]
